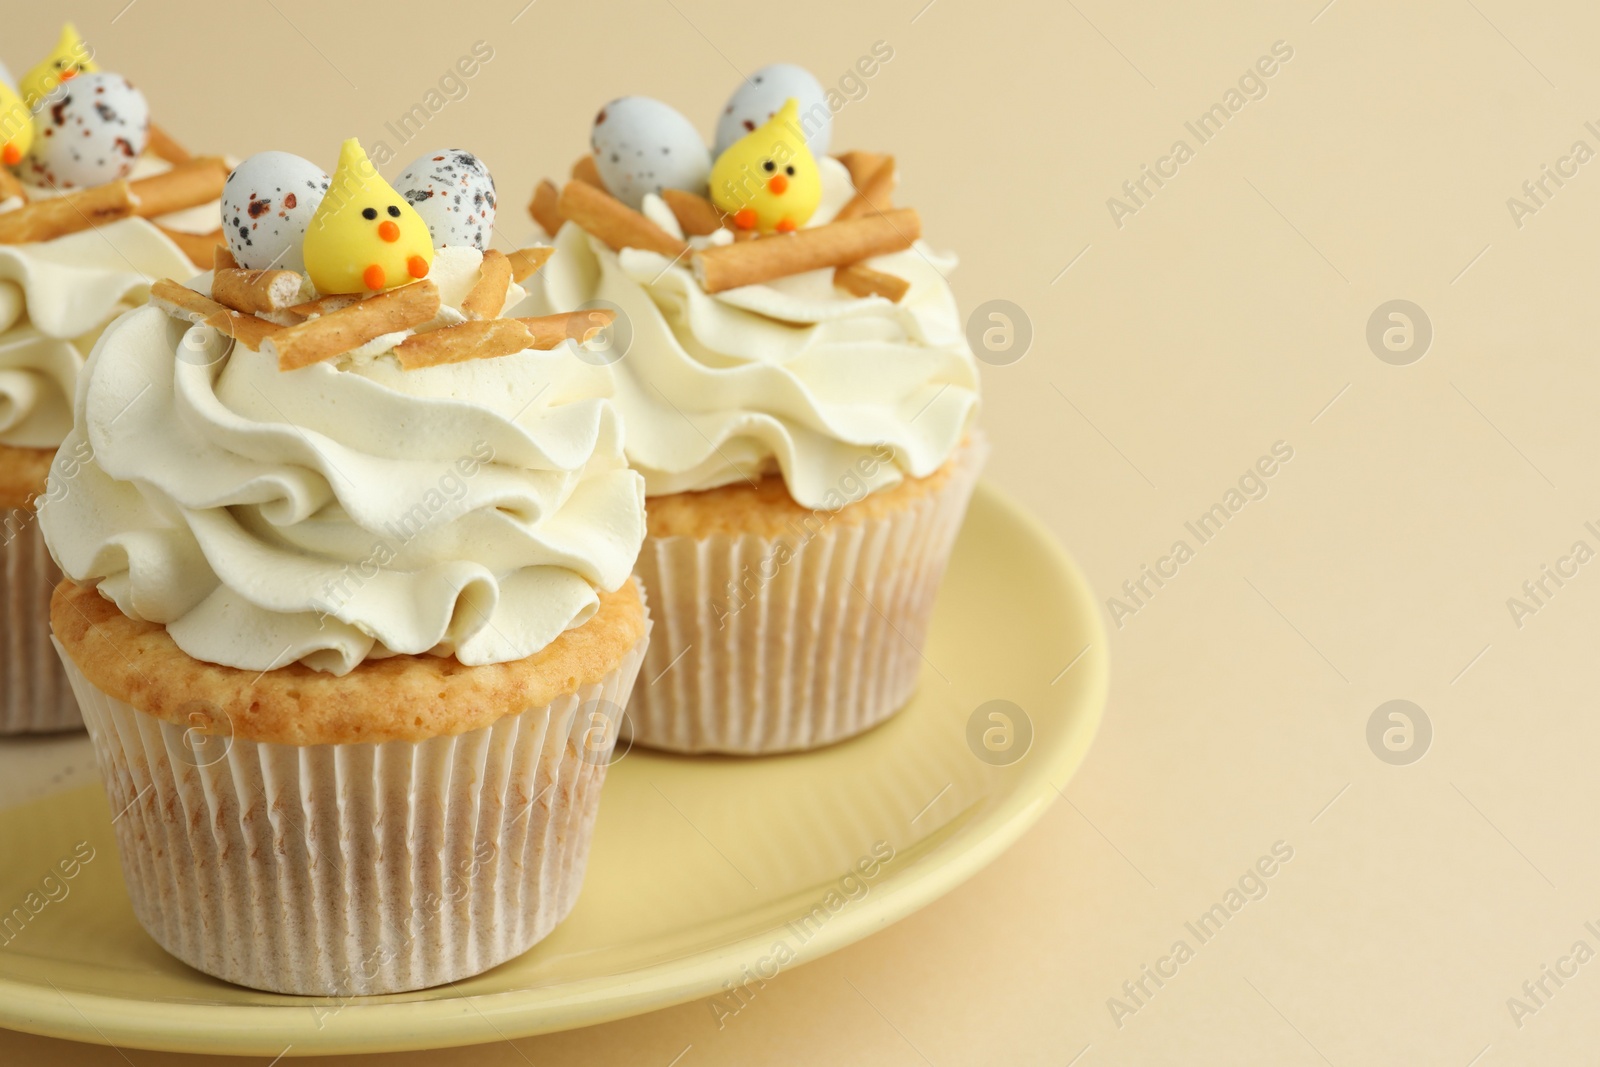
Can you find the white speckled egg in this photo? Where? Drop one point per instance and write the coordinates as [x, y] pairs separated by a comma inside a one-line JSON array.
[[90, 134], [758, 99], [454, 193], [267, 203], [644, 146]]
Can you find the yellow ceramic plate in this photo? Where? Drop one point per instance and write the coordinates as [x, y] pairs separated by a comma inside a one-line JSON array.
[[701, 869]]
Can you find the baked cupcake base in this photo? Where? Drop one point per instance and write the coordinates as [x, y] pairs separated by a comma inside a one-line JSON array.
[[342, 840], [34, 694], [780, 628]]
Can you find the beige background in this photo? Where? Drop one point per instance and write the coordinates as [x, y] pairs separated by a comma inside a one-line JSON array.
[[1227, 314]]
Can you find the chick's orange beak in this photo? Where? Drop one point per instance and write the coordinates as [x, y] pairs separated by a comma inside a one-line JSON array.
[[11, 154], [68, 74], [389, 231], [778, 184]]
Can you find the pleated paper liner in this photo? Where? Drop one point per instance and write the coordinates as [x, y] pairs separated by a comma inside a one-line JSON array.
[[35, 696], [758, 651], [356, 869]]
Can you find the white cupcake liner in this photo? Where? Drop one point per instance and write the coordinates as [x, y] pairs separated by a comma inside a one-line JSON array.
[[753, 656], [356, 869], [35, 696]]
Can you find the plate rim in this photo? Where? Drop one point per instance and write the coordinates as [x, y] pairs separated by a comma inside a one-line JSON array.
[[398, 1026]]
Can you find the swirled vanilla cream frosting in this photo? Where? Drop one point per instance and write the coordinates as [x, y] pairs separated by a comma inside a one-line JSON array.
[[793, 375], [57, 295], [55, 298], [346, 510]]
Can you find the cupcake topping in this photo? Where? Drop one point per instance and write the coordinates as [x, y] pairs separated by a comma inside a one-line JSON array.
[[453, 192], [767, 180], [69, 58], [779, 322], [322, 468], [353, 301]]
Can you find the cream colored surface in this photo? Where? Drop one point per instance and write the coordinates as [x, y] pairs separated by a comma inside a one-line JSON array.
[[1224, 316]]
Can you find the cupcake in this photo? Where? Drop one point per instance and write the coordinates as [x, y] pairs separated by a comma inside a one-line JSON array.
[[89, 215], [797, 392], [348, 605]]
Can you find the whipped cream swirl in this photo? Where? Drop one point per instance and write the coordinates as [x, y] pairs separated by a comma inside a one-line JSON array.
[[338, 513], [793, 374], [55, 298]]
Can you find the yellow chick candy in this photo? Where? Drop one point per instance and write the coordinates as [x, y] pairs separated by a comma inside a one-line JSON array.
[[16, 127], [364, 236], [70, 58], [768, 179]]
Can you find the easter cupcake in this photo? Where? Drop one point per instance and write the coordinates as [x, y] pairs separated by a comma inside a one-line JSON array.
[[798, 393], [349, 607], [89, 215]]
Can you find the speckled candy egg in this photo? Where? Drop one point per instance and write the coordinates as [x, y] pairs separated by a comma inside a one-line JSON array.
[[267, 204], [757, 100], [454, 193], [92, 134], [643, 146]]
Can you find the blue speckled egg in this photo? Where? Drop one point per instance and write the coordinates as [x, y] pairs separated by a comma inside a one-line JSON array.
[[758, 99], [644, 146], [89, 134], [267, 204], [454, 193]]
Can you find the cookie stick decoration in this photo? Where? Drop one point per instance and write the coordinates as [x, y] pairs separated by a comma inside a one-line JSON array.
[[364, 237], [768, 179]]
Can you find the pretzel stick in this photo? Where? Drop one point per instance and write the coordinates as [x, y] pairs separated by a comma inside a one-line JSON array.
[[543, 208], [162, 144], [481, 339], [697, 215], [311, 309], [859, 279], [11, 188], [196, 246], [184, 303], [615, 223], [526, 261], [255, 291], [186, 185], [222, 258], [488, 296], [57, 216], [338, 332], [295, 314], [836, 244], [860, 165], [873, 195], [585, 170], [549, 331]]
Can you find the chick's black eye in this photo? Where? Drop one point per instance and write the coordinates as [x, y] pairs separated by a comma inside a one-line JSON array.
[[369, 213], [394, 211], [789, 171], [769, 166]]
